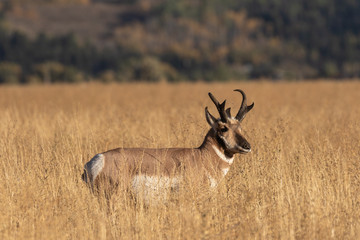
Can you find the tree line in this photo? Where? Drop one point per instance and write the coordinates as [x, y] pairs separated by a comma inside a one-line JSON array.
[[211, 40]]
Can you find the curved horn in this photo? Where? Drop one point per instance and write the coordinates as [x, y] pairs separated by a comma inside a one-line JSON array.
[[244, 108], [209, 118], [220, 107]]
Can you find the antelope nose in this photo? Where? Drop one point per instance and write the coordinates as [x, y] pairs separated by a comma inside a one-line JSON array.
[[246, 147]]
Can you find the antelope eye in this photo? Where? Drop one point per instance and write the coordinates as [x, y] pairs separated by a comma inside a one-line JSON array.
[[224, 129]]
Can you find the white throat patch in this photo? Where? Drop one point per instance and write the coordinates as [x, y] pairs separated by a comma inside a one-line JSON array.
[[225, 170], [222, 155]]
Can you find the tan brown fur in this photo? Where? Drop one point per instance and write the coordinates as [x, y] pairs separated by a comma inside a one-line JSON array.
[[210, 162], [124, 163]]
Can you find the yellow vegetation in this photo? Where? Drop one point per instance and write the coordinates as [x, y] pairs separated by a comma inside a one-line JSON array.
[[300, 181]]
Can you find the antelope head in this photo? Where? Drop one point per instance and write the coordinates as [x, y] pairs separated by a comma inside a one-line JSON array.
[[227, 129]]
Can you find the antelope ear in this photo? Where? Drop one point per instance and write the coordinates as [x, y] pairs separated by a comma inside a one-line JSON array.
[[210, 118], [228, 112]]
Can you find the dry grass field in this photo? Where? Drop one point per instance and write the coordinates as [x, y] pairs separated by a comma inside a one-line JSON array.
[[301, 180]]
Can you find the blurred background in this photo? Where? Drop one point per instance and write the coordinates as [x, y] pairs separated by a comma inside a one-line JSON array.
[[50, 41]]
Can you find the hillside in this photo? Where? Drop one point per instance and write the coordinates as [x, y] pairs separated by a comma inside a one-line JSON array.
[[178, 40], [94, 22]]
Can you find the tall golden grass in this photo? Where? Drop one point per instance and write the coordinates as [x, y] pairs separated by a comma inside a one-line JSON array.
[[301, 181]]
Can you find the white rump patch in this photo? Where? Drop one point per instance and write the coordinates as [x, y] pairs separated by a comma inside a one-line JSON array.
[[222, 155], [154, 188], [94, 167]]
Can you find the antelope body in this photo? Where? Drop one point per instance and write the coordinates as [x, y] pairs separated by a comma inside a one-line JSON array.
[[153, 170]]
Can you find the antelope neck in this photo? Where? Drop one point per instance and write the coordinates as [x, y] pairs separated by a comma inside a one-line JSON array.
[[222, 155], [214, 144]]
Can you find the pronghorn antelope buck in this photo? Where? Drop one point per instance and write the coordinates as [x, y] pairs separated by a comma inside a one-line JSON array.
[[152, 171]]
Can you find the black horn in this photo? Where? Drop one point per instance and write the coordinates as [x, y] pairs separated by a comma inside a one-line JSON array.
[[244, 108], [220, 108]]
